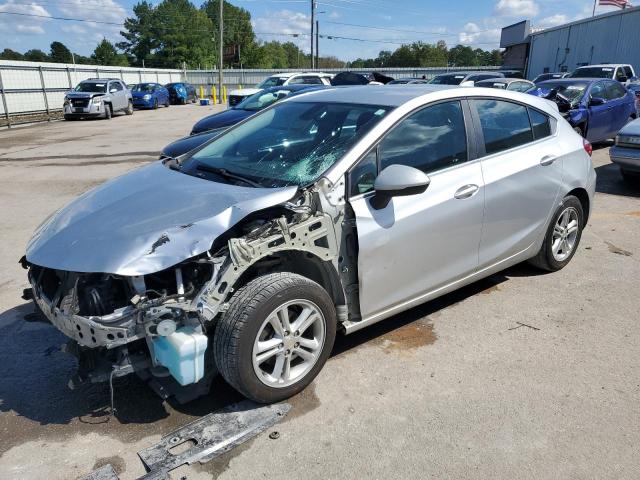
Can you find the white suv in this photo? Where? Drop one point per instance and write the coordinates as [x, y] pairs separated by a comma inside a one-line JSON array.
[[279, 79]]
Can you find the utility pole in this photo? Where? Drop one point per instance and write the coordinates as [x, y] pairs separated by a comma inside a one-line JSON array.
[[221, 46], [313, 21], [317, 44]]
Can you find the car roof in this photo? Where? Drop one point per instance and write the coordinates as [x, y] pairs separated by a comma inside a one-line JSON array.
[[577, 80], [502, 79], [373, 94], [605, 65]]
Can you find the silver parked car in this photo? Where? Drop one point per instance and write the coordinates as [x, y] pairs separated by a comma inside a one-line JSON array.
[[626, 152], [325, 213], [97, 97]]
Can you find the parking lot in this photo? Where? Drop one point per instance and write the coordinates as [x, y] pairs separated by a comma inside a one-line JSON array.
[[521, 375]]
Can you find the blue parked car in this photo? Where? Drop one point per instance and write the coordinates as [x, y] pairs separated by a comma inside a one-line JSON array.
[[213, 125], [597, 109], [149, 95], [181, 93]]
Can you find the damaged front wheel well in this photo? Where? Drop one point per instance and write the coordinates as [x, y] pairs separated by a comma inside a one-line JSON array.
[[302, 263]]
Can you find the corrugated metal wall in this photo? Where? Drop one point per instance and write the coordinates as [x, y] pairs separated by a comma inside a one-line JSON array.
[[610, 38]]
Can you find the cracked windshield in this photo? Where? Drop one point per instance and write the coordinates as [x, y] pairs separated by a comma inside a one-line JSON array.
[[291, 144]]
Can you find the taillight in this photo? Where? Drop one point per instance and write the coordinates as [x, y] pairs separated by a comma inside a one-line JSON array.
[[587, 146]]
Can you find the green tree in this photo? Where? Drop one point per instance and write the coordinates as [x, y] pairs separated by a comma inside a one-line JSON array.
[[36, 55], [184, 35], [106, 54], [8, 54], [60, 53], [463, 56], [140, 33], [237, 29], [271, 55]]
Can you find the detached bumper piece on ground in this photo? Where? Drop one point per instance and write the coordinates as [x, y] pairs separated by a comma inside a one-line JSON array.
[[209, 437]]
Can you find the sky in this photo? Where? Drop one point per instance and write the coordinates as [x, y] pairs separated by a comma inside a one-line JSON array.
[[369, 25]]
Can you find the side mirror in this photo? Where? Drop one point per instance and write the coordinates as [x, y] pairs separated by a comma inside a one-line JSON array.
[[597, 101], [398, 181], [113, 90], [468, 83]]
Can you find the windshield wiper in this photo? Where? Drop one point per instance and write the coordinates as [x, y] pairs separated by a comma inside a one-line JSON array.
[[226, 174]]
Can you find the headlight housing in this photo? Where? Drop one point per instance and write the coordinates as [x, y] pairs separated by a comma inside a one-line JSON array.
[[96, 100], [147, 97]]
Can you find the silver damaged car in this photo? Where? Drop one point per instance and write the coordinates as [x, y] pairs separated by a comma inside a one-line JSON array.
[[324, 213]]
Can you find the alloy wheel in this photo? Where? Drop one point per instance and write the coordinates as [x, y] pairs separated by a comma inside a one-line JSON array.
[[565, 233], [289, 343]]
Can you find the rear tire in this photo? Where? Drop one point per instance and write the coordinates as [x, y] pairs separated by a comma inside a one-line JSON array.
[[167, 103], [129, 109], [562, 237], [155, 104], [266, 318]]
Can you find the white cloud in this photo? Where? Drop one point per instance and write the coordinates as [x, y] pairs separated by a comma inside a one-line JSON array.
[[73, 28], [517, 8], [284, 22], [23, 24], [485, 37], [552, 21], [101, 10]]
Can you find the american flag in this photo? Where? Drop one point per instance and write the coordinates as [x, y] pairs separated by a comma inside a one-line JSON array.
[[616, 3]]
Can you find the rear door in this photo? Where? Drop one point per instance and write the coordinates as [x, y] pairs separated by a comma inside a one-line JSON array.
[[621, 107], [522, 175], [419, 243]]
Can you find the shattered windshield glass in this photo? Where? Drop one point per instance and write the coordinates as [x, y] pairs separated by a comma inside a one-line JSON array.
[[571, 93], [290, 144]]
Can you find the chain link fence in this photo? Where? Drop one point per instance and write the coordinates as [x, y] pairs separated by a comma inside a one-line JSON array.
[[34, 91]]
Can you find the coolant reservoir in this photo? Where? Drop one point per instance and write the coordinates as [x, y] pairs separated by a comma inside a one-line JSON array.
[[182, 353]]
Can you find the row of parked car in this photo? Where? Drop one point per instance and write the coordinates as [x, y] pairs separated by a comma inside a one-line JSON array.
[[102, 97]]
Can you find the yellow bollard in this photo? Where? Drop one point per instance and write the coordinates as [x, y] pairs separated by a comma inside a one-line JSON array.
[[239, 87], [213, 95], [201, 91], [224, 94]]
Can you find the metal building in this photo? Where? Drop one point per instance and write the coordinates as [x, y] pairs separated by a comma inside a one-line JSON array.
[[609, 38]]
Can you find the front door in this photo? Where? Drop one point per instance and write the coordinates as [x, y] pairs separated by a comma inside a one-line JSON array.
[[600, 116], [419, 243]]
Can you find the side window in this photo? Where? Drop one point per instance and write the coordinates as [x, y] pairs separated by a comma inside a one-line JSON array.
[[540, 123], [614, 91], [116, 85], [505, 125], [312, 80], [296, 81], [628, 72], [520, 86], [431, 139], [598, 90], [363, 175], [620, 74]]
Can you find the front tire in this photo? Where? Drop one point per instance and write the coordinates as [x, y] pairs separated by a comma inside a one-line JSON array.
[[107, 112], [563, 236], [275, 337]]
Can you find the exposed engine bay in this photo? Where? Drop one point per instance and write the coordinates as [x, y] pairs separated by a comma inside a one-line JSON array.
[[121, 324]]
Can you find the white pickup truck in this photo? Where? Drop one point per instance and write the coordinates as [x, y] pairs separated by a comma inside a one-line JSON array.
[[624, 73]]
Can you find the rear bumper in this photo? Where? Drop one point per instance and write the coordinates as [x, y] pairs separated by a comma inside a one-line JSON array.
[[627, 158]]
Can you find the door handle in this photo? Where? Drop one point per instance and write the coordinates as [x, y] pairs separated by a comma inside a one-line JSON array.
[[466, 191], [547, 160]]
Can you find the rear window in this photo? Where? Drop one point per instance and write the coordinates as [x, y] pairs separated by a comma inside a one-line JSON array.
[[505, 125], [448, 79], [540, 123]]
